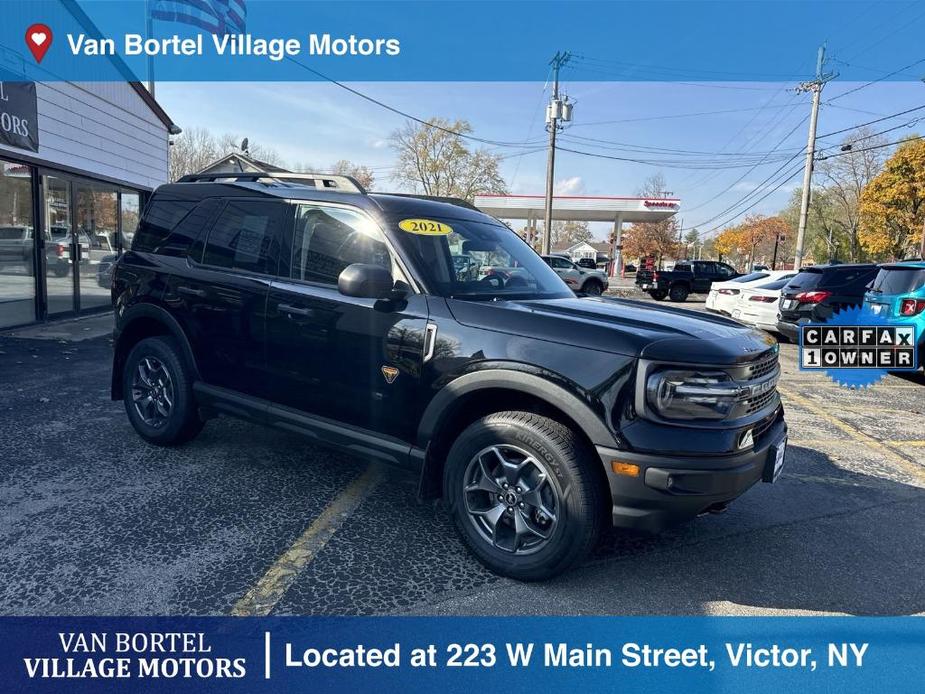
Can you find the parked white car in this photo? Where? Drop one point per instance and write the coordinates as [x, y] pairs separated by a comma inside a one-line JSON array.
[[723, 296], [758, 306]]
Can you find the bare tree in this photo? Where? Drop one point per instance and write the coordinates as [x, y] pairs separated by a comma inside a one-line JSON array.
[[363, 174], [844, 179], [195, 148], [437, 162]]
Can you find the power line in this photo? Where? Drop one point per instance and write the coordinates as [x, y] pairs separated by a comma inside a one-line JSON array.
[[879, 79], [681, 115], [867, 149], [871, 122], [404, 114]]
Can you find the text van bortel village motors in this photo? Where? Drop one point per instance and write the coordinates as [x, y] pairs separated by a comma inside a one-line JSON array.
[[275, 49]]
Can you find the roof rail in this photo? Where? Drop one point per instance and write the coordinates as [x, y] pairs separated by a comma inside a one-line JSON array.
[[337, 182], [459, 202]]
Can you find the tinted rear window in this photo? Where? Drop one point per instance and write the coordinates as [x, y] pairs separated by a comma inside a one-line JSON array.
[[805, 279], [848, 276], [12, 233], [896, 280], [777, 284], [751, 277]]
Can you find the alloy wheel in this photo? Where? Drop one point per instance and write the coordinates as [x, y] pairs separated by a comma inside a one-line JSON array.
[[510, 499], [152, 392]]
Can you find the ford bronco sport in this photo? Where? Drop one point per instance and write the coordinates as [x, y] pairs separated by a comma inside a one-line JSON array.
[[370, 323]]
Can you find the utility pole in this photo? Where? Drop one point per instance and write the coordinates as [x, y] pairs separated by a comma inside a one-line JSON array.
[[815, 86], [556, 110]]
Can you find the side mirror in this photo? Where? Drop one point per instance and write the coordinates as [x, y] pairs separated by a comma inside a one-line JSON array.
[[365, 281]]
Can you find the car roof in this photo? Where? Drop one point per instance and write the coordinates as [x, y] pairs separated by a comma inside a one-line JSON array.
[[838, 266], [904, 264], [390, 205]]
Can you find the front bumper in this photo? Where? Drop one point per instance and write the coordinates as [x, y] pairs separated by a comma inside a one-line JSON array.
[[670, 490]]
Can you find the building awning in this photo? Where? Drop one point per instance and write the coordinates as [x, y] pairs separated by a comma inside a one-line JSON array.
[[579, 208]]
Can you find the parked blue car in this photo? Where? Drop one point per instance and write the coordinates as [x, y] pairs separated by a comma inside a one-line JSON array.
[[898, 294]]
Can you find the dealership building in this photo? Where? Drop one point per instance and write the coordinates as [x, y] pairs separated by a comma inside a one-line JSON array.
[[76, 163]]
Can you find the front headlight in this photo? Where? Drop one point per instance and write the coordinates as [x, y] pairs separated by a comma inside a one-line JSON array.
[[687, 394]]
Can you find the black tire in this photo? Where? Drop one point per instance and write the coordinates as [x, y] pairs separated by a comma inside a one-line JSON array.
[[182, 421], [593, 288], [678, 292], [658, 294], [61, 271], [568, 465]]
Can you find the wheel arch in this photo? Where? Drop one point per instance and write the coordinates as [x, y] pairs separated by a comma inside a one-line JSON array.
[[481, 393], [139, 322]]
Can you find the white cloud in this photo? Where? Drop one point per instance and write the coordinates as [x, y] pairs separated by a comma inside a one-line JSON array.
[[570, 186], [379, 144]]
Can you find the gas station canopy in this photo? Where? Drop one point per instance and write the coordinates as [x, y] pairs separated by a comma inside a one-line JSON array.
[[579, 208]]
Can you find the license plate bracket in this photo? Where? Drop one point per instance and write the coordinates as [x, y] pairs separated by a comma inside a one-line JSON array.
[[775, 461]]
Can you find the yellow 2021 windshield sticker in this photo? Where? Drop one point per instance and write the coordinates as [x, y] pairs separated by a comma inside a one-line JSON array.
[[425, 227]]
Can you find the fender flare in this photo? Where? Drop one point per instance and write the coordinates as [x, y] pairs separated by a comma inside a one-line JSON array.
[[161, 315], [580, 412]]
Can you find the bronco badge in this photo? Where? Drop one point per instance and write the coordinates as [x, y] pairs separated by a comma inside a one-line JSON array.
[[390, 373]]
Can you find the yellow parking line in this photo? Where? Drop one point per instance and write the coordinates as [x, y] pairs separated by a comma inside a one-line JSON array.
[[906, 443], [260, 600], [915, 471]]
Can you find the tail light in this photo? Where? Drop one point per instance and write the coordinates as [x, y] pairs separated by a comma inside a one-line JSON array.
[[731, 292], [763, 299], [60, 249], [911, 307], [812, 297]]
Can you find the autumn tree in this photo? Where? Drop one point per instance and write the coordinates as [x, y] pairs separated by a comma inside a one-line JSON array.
[[892, 206], [652, 238], [755, 235], [435, 160]]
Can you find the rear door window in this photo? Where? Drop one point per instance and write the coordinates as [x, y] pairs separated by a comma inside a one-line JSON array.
[[842, 277], [246, 236]]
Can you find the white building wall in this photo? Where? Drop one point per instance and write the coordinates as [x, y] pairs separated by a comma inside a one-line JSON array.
[[102, 128]]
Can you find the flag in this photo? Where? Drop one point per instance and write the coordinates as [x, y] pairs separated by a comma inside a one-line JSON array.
[[215, 16]]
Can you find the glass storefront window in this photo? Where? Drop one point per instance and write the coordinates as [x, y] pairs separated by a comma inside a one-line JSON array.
[[97, 210], [131, 213], [58, 248], [17, 245]]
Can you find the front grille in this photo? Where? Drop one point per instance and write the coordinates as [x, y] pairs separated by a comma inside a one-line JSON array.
[[759, 402], [762, 367]]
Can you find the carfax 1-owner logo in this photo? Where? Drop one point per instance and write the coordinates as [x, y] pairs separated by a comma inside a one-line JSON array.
[[856, 348]]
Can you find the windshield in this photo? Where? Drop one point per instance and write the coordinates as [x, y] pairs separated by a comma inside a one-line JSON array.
[[466, 259], [898, 280]]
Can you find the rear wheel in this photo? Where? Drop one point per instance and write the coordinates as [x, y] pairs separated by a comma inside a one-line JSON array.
[[523, 494], [157, 389], [678, 292], [658, 294]]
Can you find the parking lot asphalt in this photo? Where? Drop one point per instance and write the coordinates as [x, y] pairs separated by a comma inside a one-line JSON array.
[[245, 520]]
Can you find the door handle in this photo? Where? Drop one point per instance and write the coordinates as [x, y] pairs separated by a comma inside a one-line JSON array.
[[295, 310], [190, 291]]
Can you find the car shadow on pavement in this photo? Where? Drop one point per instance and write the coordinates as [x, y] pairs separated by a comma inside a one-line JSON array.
[[824, 539]]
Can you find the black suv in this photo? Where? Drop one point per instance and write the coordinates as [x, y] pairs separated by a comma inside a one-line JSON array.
[[818, 291], [369, 322]]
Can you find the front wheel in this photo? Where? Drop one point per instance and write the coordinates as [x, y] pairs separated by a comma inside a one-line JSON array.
[[524, 495], [157, 389], [594, 288]]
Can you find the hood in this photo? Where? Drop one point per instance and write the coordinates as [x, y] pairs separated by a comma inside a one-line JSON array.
[[632, 328]]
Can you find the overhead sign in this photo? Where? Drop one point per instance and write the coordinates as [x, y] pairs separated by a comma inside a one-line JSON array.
[[660, 203], [19, 116]]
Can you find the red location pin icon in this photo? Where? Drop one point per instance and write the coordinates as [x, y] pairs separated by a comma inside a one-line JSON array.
[[38, 39]]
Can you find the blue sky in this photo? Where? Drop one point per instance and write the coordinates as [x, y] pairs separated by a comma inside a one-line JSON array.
[[320, 123]]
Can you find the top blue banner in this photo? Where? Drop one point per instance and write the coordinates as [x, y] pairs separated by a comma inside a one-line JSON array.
[[257, 40]]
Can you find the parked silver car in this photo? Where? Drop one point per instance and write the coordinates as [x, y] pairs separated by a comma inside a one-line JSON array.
[[584, 280]]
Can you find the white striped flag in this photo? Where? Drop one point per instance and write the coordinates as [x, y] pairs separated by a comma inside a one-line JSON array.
[[215, 16]]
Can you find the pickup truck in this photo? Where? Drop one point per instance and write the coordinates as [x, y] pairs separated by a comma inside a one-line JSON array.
[[688, 277]]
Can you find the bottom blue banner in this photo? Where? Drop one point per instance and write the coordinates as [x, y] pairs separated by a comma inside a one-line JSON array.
[[397, 654]]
